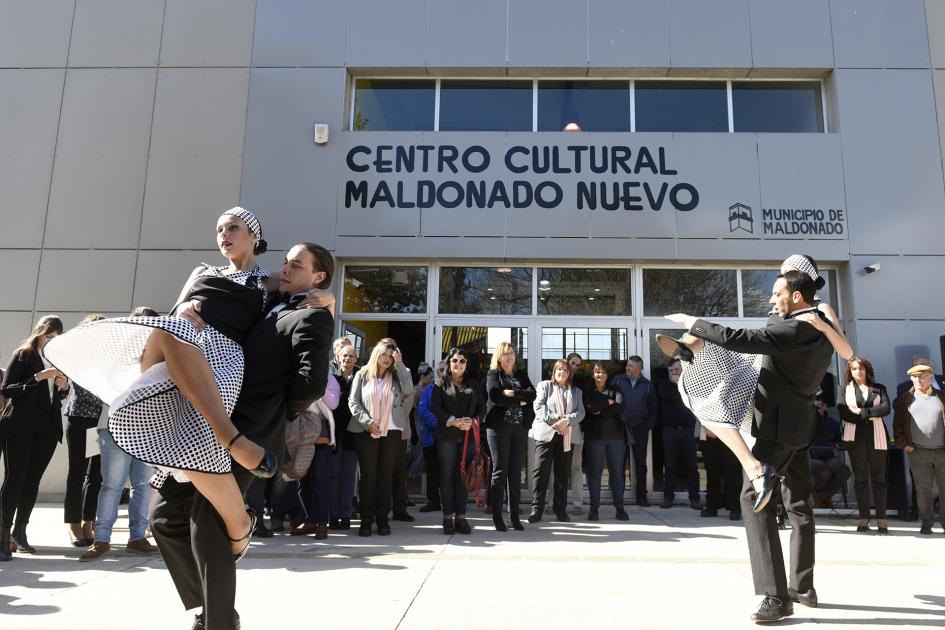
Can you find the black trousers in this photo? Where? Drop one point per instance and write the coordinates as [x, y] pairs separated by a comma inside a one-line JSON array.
[[431, 466], [550, 455], [641, 437], [399, 482], [869, 467], [26, 454], [723, 476], [197, 550], [377, 458], [764, 545], [84, 478], [507, 444]]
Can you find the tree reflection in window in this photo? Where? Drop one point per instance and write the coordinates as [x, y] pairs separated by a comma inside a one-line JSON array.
[[699, 292], [756, 291], [385, 290], [486, 290], [584, 292]]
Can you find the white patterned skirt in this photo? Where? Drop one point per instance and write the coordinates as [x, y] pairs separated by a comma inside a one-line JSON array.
[[719, 387], [150, 418]]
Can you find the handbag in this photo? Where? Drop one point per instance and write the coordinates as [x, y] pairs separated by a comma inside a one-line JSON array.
[[300, 436], [474, 475]]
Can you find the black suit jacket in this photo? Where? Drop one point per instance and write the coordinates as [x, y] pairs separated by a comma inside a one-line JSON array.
[[30, 406], [796, 358], [286, 370]]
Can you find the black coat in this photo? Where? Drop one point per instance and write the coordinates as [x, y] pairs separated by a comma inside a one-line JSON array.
[[497, 402], [796, 358], [447, 401], [286, 370], [601, 417], [673, 411], [30, 406]]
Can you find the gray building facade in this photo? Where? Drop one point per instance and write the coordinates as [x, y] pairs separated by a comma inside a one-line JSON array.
[[127, 127]]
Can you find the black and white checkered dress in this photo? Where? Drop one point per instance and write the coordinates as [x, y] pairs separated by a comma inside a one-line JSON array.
[[719, 387], [149, 417]]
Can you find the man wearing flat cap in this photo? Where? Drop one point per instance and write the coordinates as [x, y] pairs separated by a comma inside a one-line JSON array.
[[919, 430]]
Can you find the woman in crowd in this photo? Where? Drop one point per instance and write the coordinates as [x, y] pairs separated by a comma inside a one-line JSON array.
[[381, 395], [605, 437], [559, 408], [314, 488], [509, 413], [863, 405], [171, 386], [456, 403], [30, 428], [84, 477], [719, 384], [344, 461], [426, 426]]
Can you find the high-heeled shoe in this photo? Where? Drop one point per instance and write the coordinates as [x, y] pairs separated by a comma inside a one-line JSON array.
[[674, 348], [252, 525], [20, 543], [516, 523], [768, 480], [78, 540], [499, 522], [268, 465]]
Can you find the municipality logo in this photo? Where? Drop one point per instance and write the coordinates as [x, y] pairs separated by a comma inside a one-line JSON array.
[[739, 218]]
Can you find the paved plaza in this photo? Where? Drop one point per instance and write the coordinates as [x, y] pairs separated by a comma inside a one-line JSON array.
[[666, 568]]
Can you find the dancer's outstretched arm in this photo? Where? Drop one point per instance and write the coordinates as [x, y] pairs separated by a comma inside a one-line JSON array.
[[836, 338]]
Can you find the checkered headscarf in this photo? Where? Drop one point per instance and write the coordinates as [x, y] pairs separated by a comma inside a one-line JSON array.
[[802, 264], [249, 218]]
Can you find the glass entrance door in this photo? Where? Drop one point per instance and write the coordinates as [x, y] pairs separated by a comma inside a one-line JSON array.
[[478, 341]]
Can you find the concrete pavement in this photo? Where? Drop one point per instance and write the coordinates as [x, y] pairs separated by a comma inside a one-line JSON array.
[[664, 569]]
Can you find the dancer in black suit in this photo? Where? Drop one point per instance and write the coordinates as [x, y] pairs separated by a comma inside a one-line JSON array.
[[796, 356], [286, 369]]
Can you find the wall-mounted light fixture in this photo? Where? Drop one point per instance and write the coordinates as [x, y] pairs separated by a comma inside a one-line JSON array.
[[321, 134]]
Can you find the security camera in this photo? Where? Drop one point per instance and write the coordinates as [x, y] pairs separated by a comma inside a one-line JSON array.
[[871, 268]]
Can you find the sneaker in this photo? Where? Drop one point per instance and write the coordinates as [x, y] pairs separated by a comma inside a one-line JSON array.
[[96, 550], [140, 546]]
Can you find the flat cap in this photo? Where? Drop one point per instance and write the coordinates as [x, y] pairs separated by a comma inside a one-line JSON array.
[[918, 369]]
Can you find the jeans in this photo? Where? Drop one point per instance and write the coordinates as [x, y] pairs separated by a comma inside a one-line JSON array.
[[507, 443], [613, 451], [117, 467], [679, 446], [313, 490], [452, 489], [342, 466]]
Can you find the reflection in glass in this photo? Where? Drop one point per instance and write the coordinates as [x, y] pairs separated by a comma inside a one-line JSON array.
[[608, 345], [658, 360], [485, 106], [479, 342], [699, 292], [681, 106], [385, 289], [777, 106], [394, 105], [486, 290], [572, 291], [591, 105], [756, 291]]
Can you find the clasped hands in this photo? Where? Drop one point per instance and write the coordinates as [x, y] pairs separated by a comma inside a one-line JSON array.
[[61, 381], [463, 424], [561, 425]]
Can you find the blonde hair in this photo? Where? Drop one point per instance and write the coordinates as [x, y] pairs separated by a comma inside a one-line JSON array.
[[370, 370], [46, 324], [91, 317], [566, 367], [499, 351]]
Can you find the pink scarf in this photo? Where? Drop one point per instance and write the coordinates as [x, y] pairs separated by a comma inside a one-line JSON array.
[[382, 402], [563, 407], [849, 430]]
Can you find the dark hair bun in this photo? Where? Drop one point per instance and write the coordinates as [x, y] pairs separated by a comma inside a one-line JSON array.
[[261, 247], [819, 283]]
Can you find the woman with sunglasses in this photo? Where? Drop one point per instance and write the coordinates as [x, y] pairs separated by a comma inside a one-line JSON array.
[[456, 404]]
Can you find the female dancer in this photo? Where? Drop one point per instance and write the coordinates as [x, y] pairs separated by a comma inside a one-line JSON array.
[[171, 387], [719, 384]]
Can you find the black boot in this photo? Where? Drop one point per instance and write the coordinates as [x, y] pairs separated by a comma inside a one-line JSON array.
[[498, 521], [5, 544], [515, 522], [19, 540]]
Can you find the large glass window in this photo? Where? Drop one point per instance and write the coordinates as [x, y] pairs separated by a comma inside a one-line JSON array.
[[756, 291], [385, 289], [777, 106], [486, 290], [485, 105], [590, 105], [699, 292], [584, 292], [608, 345], [394, 105], [681, 106]]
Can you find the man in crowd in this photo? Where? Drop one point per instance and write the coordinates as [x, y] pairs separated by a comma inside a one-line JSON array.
[[287, 357], [828, 473], [919, 429], [640, 412], [679, 438], [723, 477]]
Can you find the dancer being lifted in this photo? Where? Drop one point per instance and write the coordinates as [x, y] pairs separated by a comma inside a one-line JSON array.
[[171, 386], [719, 384]]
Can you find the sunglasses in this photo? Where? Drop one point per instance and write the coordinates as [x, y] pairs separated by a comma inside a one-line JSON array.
[[459, 361]]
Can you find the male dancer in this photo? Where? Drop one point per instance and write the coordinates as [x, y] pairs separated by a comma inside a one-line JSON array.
[[286, 369], [796, 358]]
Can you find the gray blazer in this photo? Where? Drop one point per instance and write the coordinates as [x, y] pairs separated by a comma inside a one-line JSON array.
[[547, 415], [359, 402]]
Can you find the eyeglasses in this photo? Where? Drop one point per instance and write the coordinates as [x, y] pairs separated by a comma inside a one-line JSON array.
[[458, 361]]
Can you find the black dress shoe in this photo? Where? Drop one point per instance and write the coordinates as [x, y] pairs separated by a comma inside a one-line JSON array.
[[642, 501], [462, 526], [808, 598], [535, 517], [200, 625], [383, 528], [593, 515], [430, 507], [516, 523], [344, 523], [364, 530], [563, 517], [709, 512], [773, 609], [404, 516], [622, 514], [448, 528], [768, 481], [334, 523]]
